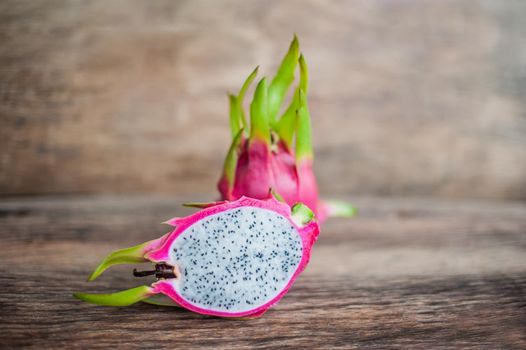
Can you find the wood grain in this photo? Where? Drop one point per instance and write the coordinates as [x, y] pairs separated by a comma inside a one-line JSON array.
[[406, 273], [407, 97]]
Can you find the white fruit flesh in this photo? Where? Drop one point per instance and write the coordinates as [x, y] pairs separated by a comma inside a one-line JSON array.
[[237, 260]]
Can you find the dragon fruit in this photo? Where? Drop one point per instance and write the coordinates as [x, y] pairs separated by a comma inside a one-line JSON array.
[[275, 152], [230, 259]]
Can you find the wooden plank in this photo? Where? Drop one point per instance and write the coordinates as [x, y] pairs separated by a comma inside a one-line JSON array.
[[407, 273], [419, 97]]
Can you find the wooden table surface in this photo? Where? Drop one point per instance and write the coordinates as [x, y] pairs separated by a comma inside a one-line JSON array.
[[406, 273]]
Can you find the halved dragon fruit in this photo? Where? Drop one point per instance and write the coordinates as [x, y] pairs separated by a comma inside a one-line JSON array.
[[230, 259], [275, 152]]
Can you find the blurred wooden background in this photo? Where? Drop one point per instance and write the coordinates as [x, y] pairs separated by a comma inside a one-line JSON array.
[[408, 97]]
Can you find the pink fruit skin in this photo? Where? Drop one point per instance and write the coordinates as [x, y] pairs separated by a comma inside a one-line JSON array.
[[284, 175], [259, 169], [253, 172], [159, 251], [308, 188]]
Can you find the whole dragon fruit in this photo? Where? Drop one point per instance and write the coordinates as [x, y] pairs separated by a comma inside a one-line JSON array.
[[275, 152], [230, 259]]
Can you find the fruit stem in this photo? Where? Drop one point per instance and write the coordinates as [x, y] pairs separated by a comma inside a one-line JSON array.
[[142, 273], [162, 271]]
